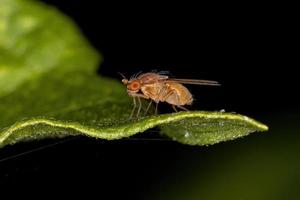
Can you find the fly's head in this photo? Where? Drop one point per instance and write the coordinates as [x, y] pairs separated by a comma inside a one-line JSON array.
[[133, 85]]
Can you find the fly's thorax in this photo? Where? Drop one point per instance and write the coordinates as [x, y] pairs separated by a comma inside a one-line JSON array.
[[153, 90], [151, 78]]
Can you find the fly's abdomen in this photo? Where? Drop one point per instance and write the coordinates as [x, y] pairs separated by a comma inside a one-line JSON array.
[[179, 95]]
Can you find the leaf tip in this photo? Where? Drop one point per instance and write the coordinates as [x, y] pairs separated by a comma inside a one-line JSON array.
[[264, 127]]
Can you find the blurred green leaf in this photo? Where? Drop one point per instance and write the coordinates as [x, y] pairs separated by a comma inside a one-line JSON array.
[[36, 39], [49, 88]]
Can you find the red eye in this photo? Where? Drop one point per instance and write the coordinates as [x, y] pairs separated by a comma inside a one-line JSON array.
[[134, 86]]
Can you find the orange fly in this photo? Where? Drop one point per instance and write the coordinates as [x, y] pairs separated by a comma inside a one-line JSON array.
[[160, 88]]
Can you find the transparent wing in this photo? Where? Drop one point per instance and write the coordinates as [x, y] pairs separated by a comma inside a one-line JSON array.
[[194, 81]]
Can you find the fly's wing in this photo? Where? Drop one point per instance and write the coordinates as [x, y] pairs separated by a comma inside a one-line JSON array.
[[194, 81], [150, 78]]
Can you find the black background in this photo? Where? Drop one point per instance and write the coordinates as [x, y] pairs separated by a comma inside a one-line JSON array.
[[249, 51]]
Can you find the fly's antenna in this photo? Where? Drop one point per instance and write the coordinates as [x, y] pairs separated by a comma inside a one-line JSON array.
[[124, 80], [122, 75]]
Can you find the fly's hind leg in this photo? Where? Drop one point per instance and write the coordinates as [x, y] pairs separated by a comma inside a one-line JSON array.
[[183, 108], [174, 107], [172, 92], [164, 94]]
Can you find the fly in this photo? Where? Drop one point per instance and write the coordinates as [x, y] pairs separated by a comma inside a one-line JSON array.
[[160, 88]]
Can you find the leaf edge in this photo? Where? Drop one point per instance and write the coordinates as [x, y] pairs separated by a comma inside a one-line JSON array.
[[127, 130]]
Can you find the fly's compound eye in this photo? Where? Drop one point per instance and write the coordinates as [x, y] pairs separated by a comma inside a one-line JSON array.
[[135, 85]]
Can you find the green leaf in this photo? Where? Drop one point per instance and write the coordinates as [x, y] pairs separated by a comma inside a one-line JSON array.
[[36, 39], [49, 88]]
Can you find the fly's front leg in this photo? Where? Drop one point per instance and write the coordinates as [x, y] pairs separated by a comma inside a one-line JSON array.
[[138, 96], [134, 106], [140, 106]]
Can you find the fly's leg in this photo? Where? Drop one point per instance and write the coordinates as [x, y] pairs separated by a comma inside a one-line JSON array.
[[148, 107], [162, 96], [176, 96], [149, 94], [174, 107], [156, 107], [183, 108], [167, 95], [134, 106], [140, 106], [140, 103]]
